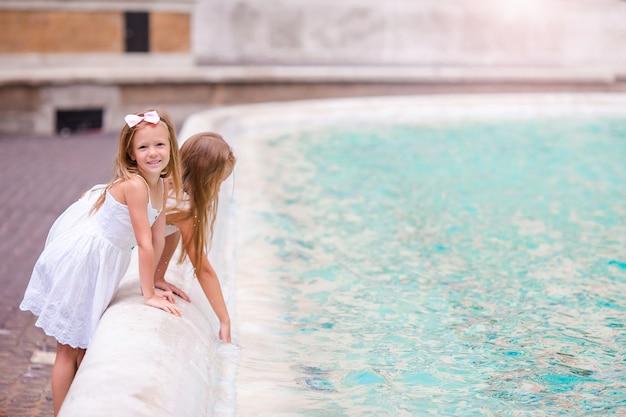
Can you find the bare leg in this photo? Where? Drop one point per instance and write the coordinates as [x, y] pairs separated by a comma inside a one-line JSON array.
[[79, 359], [63, 372]]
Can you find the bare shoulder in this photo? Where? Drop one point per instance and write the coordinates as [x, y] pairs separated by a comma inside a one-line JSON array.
[[129, 189]]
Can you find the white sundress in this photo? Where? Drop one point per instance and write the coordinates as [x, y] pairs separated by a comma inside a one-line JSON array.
[[174, 205], [80, 269]]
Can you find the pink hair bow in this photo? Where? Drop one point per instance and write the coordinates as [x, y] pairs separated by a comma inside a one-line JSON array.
[[149, 116]]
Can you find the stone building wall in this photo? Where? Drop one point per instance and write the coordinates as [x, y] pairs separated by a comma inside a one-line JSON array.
[[403, 32], [78, 32], [60, 56]]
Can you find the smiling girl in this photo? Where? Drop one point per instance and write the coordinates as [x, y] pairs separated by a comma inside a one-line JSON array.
[[79, 271]]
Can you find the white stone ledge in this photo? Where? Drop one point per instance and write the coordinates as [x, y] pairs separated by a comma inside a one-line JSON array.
[[284, 117], [145, 362], [179, 69]]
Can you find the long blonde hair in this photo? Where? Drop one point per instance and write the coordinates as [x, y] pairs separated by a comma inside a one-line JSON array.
[[206, 160], [125, 167]]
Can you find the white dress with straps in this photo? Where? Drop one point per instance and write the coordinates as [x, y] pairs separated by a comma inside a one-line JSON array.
[[80, 269]]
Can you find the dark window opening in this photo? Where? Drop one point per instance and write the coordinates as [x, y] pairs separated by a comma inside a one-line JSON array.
[[137, 31], [74, 121]]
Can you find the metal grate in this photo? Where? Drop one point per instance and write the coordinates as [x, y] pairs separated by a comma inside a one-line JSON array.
[[73, 121]]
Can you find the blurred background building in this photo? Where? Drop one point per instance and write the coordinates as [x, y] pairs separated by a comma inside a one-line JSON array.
[[70, 65]]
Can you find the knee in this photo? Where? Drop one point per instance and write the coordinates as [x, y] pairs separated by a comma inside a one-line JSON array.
[[66, 353]]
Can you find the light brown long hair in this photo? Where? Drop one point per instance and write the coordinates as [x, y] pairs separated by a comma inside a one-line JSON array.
[[206, 160], [125, 167]]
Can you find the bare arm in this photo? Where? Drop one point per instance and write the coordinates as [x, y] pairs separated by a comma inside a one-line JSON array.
[[158, 243], [208, 280], [171, 242], [158, 238], [137, 200], [158, 228]]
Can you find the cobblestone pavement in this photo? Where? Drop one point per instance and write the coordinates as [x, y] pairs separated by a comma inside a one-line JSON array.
[[39, 177]]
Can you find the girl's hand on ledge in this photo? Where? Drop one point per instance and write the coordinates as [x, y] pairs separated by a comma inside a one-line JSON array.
[[166, 286], [165, 294], [161, 303]]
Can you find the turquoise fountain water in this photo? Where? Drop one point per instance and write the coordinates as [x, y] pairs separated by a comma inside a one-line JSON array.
[[469, 269]]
